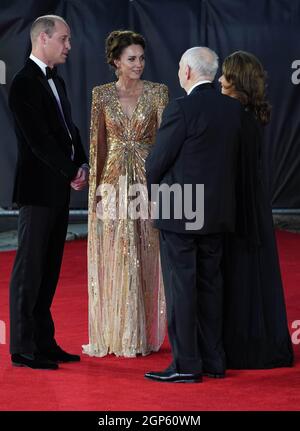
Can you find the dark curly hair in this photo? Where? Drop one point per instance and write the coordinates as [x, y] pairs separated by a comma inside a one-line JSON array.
[[246, 73], [118, 40]]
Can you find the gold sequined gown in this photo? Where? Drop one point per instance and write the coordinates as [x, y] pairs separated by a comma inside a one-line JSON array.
[[126, 299]]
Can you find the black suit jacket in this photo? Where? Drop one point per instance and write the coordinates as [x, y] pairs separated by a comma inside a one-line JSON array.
[[197, 144], [44, 166]]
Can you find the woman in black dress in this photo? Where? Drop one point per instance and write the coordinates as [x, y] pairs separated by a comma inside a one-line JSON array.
[[255, 325]]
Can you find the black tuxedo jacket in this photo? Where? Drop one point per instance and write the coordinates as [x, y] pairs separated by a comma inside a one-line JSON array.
[[197, 143], [44, 166]]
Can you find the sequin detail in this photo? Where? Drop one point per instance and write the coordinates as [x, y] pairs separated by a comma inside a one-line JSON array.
[[126, 300]]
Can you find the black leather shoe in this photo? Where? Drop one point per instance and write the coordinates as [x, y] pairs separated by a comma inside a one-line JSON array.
[[213, 375], [35, 361], [173, 377], [59, 355]]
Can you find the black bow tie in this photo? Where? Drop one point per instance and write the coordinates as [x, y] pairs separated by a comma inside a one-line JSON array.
[[51, 73]]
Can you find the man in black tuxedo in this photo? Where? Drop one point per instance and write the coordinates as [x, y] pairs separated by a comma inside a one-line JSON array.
[[50, 159], [195, 155]]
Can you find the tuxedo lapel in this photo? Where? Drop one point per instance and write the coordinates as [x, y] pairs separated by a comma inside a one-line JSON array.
[[65, 104], [45, 84], [36, 71]]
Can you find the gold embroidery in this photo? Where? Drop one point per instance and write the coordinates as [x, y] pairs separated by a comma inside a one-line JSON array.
[[126, 299]]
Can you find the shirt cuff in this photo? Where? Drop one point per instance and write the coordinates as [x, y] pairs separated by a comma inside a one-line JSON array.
[[85, 166]]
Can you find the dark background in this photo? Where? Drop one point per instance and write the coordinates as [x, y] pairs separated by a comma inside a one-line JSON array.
[[268, 28]]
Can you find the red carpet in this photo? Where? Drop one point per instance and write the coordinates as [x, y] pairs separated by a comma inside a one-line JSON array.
[[112, 383]]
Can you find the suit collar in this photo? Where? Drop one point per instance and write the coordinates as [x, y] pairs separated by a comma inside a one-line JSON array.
[[39, 63], [37, 71], [34, 68], [201, 87]]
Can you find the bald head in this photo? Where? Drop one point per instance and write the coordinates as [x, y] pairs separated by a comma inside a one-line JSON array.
[[45, 24]]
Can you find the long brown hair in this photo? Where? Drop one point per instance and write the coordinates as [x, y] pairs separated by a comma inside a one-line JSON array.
[[246, 73]]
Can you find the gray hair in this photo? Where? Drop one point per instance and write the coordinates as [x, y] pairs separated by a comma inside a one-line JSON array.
[[202, 60], [46, 24]]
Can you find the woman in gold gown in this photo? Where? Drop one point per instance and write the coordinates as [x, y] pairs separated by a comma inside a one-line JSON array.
[[126, 299]]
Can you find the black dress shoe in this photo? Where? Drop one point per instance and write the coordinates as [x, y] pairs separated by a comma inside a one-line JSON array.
[[173, 377], [35, 361], [213, 375], [59, 355]]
